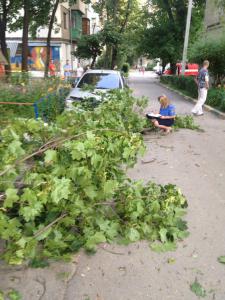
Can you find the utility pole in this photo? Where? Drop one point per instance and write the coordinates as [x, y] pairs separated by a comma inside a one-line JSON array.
[[187, 31]]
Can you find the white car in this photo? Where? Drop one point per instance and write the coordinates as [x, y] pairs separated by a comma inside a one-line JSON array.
[[99, 81]]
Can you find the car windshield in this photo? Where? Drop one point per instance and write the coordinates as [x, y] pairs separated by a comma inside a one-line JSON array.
[[100, 81]]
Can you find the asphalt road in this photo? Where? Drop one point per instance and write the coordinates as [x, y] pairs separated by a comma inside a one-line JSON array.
[[195, 161]]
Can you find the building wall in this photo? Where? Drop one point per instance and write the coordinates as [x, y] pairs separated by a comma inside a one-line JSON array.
[[62, 43], [214, 20]]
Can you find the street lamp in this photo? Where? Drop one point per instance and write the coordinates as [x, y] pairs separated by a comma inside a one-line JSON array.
[[187, 31]]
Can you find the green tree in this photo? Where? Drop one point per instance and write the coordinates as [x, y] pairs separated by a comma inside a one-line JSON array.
[[117, 17], [35, 14], [90, 47], [164, 35], [214, 51]]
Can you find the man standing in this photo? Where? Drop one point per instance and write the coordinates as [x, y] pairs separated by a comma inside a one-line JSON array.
[[202, 81], [80, 71], [67, 70], [52, 68]]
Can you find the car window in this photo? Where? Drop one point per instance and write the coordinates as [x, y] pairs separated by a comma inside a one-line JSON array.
[[100, 81]]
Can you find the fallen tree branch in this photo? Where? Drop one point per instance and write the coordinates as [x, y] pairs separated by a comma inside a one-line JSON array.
[[51, 145], [39, 232]]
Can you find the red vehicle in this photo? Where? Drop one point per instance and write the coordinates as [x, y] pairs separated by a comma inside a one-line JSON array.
[[190, 70]]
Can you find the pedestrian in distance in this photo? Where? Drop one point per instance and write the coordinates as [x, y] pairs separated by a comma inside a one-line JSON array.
[[52, 68], [67, 70], [202, 81], [80, 71], [166, 116]]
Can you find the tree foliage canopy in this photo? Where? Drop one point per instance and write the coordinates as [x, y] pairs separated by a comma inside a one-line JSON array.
[[164, 35]]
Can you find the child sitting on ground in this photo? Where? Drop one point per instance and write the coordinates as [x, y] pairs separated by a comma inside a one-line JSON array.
[[166, 117]]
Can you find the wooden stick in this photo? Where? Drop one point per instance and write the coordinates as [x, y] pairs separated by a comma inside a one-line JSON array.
[[17, 103], [39, 232]]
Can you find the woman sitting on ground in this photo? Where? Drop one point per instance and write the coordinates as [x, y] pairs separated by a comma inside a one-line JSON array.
[[167, 115]]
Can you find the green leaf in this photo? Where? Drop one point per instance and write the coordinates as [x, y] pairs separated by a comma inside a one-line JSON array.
[[78, 151], [198, 289], [61, 189], [91, 192], [1, 295], [159, 247], [11, 197], [14, 295], [109, 187], [22, 242], [38, 263], [133, 235], [221, 259], [30, 212], [95, 239], [163, 233], [15, 149], [50, 156]]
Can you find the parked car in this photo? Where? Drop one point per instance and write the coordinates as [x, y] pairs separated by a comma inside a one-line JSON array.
[[99, 81]]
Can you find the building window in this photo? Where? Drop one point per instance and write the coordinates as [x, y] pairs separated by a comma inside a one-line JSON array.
[[65, 20]]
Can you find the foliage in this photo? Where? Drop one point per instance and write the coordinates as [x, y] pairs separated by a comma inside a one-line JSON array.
[[65, 185], [150, 66], [121, 23], [184, 83], [186, 122], [181, 122], [215, 98], [30, 91], [198, 289], [221, 259], [214, 51], [167, 20], [10, 295], [125, 68], [90, 46]]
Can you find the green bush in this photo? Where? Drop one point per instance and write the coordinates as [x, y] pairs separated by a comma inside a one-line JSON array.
[[216, 98], [214, 51], [183, 83], [125, 68]]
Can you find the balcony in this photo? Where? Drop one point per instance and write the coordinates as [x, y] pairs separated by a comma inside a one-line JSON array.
[[76, 24], [79, 6]]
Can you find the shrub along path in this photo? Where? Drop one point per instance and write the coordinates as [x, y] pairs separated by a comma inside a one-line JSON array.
[[195, 162]]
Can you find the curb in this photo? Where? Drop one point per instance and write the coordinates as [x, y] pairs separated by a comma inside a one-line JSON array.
[[206, 107]]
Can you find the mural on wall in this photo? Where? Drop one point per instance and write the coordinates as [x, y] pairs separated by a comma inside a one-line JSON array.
[[36, 58]]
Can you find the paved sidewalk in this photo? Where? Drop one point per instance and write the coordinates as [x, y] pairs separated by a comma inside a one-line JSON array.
[[195, 161]]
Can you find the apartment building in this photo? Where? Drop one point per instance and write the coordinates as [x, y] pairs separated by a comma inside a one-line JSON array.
[[214, 20], [72, 22]]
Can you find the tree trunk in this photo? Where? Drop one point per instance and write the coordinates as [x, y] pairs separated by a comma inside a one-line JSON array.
[[108, 55], [163, 66], [114, 56], [173, 68], [3, 25], [51, 23], [25, 50], [93, 61]]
